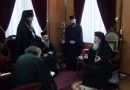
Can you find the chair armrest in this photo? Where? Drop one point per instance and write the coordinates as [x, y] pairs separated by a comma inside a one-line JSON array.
[[115, 59]]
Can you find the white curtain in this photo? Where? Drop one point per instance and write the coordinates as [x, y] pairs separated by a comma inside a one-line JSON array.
[[21, 5], [91, 21]]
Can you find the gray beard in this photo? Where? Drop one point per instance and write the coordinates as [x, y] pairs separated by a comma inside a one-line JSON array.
[[95, 46], [30, 25], [46, 43]]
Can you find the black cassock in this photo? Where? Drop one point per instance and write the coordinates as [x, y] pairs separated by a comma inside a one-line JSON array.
[[32, 69], [51, 60], [73, 51], [25, 35], [98, 74]]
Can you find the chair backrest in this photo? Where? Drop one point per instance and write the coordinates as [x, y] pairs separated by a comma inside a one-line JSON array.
[[113, 39], [11, 42], [3, 63], [32, 86], [5, 82]]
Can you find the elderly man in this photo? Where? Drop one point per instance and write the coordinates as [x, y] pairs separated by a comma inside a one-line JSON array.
[[98, 68], [30, 68]]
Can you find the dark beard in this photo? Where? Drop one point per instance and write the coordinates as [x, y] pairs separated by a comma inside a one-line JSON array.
[[29, 24], [46, 43], [73, 24]]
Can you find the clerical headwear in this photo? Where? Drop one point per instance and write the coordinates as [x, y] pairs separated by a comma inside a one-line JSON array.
[[29, 13], [100, 35], [43, 33], [72, 17]]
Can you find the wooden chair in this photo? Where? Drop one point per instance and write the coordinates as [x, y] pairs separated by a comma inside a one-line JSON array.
[[115, 62], [10, 42], [113, 40]]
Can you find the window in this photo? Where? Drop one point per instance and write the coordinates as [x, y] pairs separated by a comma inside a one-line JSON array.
[[21, 5], [91, 21]]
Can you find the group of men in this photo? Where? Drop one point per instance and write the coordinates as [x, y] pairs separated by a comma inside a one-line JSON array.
[[35, 56], [26, 36], [40, 55]]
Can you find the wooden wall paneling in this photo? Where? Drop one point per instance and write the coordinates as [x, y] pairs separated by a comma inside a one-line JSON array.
[[125, 57], [56, 18]]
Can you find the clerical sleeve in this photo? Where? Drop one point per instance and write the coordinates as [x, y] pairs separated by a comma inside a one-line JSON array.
[[79, 38], [45, 77], [67, 38], [52, 48], [105, 53]]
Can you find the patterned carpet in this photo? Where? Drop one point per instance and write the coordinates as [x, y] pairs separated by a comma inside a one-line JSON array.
[[65, 79]]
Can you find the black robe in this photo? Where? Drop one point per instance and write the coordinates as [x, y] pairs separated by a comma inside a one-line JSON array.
[[31, 69], [73, 51], [98, 74], [25, 35], [51, 60]]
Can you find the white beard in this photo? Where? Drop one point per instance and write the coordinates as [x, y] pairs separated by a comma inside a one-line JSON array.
[[95, 46]]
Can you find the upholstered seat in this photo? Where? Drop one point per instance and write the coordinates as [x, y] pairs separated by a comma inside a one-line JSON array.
[[31, 86], [113, 40], [5, 82]]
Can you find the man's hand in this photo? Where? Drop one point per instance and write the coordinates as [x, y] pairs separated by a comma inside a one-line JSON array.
[[97, 59], [72, 42], [45, 55], [86, 56], [50, 52]]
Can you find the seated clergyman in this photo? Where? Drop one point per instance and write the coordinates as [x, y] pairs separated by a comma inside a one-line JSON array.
[[48, 52], [98, 69]]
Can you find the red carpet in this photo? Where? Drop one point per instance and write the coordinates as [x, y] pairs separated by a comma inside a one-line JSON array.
[[65, 78]]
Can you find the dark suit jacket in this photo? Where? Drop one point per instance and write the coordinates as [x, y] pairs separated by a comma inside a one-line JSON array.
[[30, 69]]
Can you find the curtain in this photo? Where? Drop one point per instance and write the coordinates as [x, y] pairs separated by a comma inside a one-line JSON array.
[[40, 7], [107, 10], [78, 9], [91, 21], [21, 5], [6, 9]]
